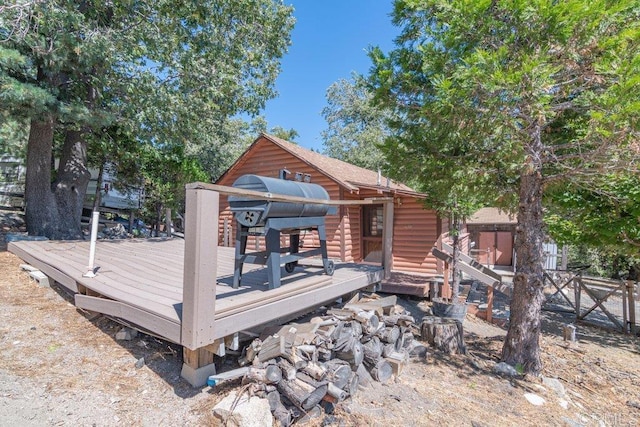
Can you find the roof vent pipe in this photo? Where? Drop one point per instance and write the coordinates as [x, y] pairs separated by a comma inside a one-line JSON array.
[[379, 176], [283, 173]]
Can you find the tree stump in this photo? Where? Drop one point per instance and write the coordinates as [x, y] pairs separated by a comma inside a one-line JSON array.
[[446, 335]]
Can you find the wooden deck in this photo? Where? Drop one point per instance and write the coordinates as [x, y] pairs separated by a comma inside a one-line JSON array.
[[141, 281], [181, 290]]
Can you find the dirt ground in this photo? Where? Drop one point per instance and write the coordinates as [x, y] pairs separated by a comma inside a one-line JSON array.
[[60, 367]]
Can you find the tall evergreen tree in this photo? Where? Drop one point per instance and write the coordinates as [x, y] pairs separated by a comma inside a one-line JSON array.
[[497, 100]]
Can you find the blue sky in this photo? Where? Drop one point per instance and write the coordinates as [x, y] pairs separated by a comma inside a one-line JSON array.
[[329, 43]]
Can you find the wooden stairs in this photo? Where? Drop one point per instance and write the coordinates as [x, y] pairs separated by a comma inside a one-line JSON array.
[[477, 271]]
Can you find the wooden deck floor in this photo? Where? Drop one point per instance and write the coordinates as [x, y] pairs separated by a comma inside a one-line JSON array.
[[141, 281]]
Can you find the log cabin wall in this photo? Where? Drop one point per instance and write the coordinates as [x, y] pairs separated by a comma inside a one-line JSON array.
[[416, 232], [352, 222]]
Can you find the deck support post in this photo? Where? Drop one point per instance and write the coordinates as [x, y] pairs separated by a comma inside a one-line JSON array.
[[490, 304], [445, 292], [199, 291], [198, 366]]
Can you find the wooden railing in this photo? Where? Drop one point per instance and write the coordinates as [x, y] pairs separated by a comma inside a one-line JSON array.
[[201, 246]]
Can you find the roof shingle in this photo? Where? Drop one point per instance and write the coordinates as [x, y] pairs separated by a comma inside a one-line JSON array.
[[492, 216]]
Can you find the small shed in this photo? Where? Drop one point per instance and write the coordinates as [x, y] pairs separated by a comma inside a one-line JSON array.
[[354, 234], [491, 233]]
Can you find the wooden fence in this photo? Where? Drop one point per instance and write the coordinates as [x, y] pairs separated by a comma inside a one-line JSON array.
[[609, 303]]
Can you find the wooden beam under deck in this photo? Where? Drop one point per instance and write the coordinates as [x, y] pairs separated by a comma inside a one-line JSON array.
[[149, 321]]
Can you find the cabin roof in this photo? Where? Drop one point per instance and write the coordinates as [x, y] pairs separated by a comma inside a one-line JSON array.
[[351, 177], [491, 216]]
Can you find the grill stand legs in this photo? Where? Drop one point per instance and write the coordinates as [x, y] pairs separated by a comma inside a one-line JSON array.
[[241, 248], [273, 257], [272, 239]]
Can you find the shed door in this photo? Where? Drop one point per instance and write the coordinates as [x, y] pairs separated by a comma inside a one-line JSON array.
[[372, 226], [504, 248], [495, 248], [486, 243]]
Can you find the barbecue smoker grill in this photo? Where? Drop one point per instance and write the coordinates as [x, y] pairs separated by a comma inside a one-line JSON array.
[[271, 219]]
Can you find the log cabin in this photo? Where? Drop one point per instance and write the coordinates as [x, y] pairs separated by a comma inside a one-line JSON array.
[[355, 233]]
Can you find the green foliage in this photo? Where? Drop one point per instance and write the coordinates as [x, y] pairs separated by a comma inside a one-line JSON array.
[[497, 100], [486, 92], [164, 173], [233, 137], [605, 262], [605, 214], [144, 75], [288, 135], [13, 136], [356, 128]]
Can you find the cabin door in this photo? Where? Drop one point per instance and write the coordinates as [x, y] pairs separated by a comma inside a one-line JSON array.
[[372, 217]]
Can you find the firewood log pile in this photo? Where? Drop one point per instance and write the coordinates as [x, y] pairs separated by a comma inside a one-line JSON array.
[[305, 368]]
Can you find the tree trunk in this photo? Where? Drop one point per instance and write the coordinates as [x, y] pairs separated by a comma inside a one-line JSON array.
[[455, 265], [54, 209], [37, 195], [522, 346], [70, 186]]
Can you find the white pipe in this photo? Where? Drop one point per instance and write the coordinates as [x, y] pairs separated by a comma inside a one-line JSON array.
[[92, 249]]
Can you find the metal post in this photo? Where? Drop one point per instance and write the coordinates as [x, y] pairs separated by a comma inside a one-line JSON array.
[[625, 308], [92, 248]]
